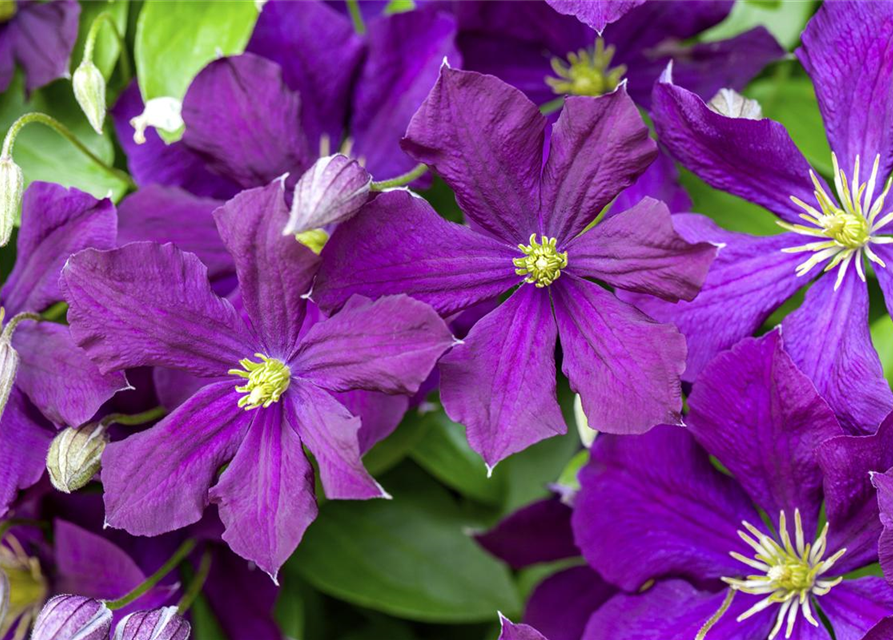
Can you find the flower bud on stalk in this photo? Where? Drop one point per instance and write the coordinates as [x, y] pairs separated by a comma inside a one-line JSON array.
[[73, 618], [12, 185], [75, 456], [89, 90], [158, 624]]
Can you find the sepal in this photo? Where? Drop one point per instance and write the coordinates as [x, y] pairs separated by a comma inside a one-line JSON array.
[[68, 617], [75, 456]]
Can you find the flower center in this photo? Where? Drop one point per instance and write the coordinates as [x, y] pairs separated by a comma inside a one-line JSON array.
[[790, 571], [847, 226], [267, 381], [27, 587], [8, 9], [542, 263], [587, 72]]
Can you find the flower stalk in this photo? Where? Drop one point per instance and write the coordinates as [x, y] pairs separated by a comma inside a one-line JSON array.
[[144, 587], [401, 180]]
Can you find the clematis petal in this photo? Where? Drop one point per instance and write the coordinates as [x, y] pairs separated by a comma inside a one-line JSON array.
[[599, 146], [883, 483], [265, 497], [854, 606], [399, 244], [275, 271], [658, 499], [661, 182], [43, 36], [242, 119], [151, 304], [379, 414], [762, 418], [652, 23], [624, 365], [157, 480], [639, 250], [485, 139], [561, 605], [500, 382], [848, 52], [881, 631], [24, 440], [56, 222], [733, 154], [829, 341], [595, 13], [512, 631]]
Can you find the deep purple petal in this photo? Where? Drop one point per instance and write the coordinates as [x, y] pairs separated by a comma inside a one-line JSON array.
[[829, 341], [56, 222], [539, 532], [512, 631], [265, 497], [625, 366], [151, 304], [854, 606], [157, 480], [561, 605], [639, 250], [661, 182], [599, 146], [399, 244], [595, 13], [654, 23], [500, 382], [883, 483], [24, 440], [43, 35], [848, 52], [883, 630], [380, 414], [244, 121], [246, 612], [485, 139], [657, 498]]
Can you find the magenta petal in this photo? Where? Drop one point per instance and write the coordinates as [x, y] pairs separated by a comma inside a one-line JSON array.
[[624, 365], [599, 146], [661, 182], [762, 418], [329, 431], [485, 139], [854, 606], [639, 250], [561, 605], [380, 414], [399, 244], [265, 497], [500, 382], [848, 52], [275, 271], [389, 345], [151, 304], [244, 121], [44, 34], [56, 222], [24, 440], [828, 339], [657, 498], [595, 13], [58, 377], [512, 631], [157, 480]]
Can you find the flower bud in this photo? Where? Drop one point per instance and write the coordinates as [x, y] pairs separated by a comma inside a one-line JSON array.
[[12, 184], [4, 596], [732, 104], [89, 90], [73, 618], [161, 113], [9, 366], [75, 456], [330, 191], [158, 624]]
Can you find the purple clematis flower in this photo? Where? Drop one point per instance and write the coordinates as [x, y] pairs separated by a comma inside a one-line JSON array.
[[268, 388], [659, 499], [56, 384], [486, 140], [830, 233], [39, 36], [512, 631]]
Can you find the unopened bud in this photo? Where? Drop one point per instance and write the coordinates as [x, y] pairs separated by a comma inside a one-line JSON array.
[[12, 184], [160, 113], [9, 366], [73, 618], [89, 90], [75, 456], [158, 624], [732, 104], [4, 596], [330, 191]]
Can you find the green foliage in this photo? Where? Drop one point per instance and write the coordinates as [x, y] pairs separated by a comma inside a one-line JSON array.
[[108, 49], [784, 19]]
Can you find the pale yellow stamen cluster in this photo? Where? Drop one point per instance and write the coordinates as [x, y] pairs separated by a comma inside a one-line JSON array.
[[790, 573], [848, 228], [27, 588], [587, 72], [267, 381], [542, 262]]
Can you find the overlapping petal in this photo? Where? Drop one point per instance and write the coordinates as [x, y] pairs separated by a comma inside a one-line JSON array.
[[855, 606], [42, 38], [24, 440], [561, 605], [595, 13]]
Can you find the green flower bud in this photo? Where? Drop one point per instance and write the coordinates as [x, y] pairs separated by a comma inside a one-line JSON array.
[[75, 456], [731, 104], [9, 366], [4, 596], [12, 184], [89, 90]]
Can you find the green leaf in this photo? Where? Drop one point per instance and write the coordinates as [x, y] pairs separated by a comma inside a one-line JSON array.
[[409, 557], [174, 40], [390, 451], [728, 211], [882, 337], [107, 48], [784, 20], [204, 622], [526, 475], [382, 628]]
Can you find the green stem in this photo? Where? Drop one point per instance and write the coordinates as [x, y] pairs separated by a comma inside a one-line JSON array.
[[133, 419], [356, 17], [65, 132], [552, 106], [56, 312], [198, 582], [90, 43], [184, 550], [400, 181], [14, 322], [716, 616]]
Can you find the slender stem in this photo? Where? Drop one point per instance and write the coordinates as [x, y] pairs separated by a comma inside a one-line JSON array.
[[716, 616], [90, 43], [198, 582], [400, 181], [65, 132], [356, 17], [133, 419], [14, 322], [55, 312], [552, 106], [184, 550]]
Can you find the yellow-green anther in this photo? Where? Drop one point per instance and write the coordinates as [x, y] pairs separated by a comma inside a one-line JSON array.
[[267, 381], [542, 262], [314, 239], [587, 72], [8, 9], [27, 587]]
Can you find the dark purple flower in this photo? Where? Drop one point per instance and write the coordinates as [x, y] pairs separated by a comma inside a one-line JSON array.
[[267, 390], [658, 499], [512, 631], [846, 50], [485, 139], [73, 618], [39, 36]]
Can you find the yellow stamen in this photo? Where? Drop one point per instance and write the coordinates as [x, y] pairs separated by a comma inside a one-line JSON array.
[[587, 72], [542, 262], [267, 381]]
